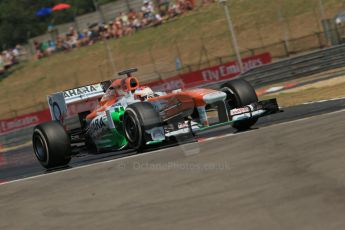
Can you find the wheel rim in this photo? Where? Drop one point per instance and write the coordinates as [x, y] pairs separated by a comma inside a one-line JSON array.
[[131, 129], [39, 148]]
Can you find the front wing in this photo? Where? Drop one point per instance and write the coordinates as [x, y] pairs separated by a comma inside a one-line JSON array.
[[226, 116]]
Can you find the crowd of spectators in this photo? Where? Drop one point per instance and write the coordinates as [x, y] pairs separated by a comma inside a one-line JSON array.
[[125, 24], [11, 57]]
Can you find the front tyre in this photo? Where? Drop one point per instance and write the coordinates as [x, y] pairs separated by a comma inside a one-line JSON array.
[[51, 145], [139, 118], [240, 93]]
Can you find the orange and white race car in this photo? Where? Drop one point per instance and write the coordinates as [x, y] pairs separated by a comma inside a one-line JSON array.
[[125, 114]]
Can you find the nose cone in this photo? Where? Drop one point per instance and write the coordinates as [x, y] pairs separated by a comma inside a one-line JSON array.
[[214, 97]]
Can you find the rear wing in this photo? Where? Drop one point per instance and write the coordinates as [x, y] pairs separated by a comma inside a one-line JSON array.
[[66, 106], [83, 93]]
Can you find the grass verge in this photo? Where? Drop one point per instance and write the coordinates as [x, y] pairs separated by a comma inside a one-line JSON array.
[[286, 99]]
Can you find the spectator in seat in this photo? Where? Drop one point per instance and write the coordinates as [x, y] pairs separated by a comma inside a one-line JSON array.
[[19, 53], [44, 49], [174, 10], [136, 23], [163, 6], [16, 51], [157, 20], [182, 5], [189, 4], [94, 35], [72, 37], [118, 28], [104, 31], [59, 43], [124, 19], [65, 42], [70, 43], [38, 52], [148, 12], [124, 25], [132, 15], [128, 30], [81, 37], [51, 46], [8, 58]]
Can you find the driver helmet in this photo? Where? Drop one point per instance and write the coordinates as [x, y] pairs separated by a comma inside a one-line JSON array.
[[143, 93]]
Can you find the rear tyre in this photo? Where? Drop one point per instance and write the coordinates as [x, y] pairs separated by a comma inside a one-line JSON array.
[[240, 93], [138, 118], [51, 145]]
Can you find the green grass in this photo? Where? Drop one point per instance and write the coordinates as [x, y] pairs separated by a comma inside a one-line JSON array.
[[154, 50], [286, 99]]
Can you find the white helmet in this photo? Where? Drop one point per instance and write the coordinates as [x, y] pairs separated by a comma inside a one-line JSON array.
[[143, 93]]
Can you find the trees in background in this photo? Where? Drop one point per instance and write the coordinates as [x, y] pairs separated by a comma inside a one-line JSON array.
[[18, 21]]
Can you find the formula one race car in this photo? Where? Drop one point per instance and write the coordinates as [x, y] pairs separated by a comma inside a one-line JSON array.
[[120, 114]]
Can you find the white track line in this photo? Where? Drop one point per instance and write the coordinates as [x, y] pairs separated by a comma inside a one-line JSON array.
[[83, 166], [314, 102], [160, 150]]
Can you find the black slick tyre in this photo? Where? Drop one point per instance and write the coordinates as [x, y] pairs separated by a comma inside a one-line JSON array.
[[51, 145], [138, 118], [240, 93]]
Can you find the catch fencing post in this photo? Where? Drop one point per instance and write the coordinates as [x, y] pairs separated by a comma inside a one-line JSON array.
[[179, 56], [286, 48], [106, 45], [233, 35]]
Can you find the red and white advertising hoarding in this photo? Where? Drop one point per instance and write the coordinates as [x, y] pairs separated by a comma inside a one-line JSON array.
[[13, 124], [210, 75]]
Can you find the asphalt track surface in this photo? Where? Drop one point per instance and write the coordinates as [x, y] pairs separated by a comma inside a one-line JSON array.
[[21, 163], [287, 173]]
